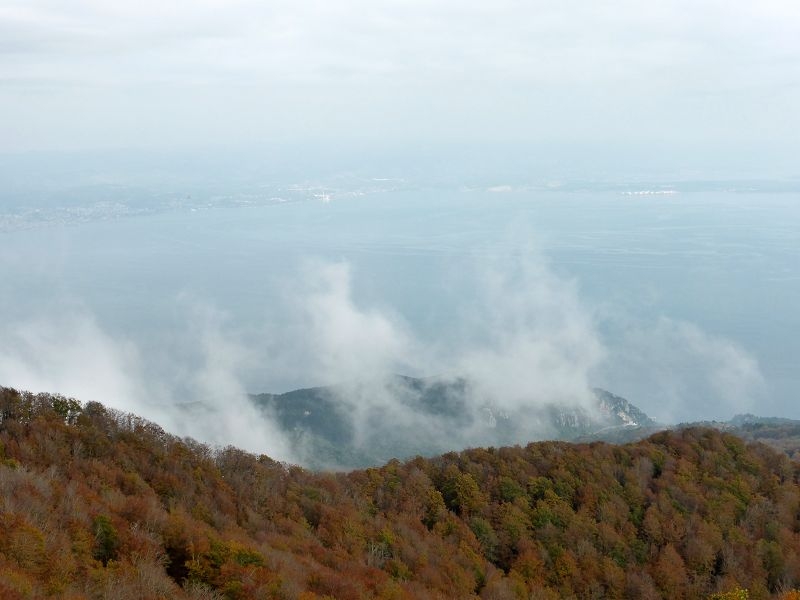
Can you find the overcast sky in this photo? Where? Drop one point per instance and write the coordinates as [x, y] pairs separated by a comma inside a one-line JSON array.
[[89, 74]]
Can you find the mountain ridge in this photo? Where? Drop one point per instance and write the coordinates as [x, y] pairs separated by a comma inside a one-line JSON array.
[[324, 429], [97, 503], [313, 418]]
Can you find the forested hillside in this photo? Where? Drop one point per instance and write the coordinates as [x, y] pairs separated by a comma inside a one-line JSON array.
[[97, 503]]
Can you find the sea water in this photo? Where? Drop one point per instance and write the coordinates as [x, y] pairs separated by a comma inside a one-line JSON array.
[[725, 263]]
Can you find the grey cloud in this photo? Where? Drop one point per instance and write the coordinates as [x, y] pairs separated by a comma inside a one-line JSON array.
[[683, 373], [528, 341], [538, 342], [471, 70], [73, 355]]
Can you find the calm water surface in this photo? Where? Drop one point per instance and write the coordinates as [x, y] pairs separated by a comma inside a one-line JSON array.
[[726, 262]]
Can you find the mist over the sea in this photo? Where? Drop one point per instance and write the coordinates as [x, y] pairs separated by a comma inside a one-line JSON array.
[[682, 302]]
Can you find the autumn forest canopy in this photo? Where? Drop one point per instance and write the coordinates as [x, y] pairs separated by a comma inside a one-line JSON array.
[[97, 503]]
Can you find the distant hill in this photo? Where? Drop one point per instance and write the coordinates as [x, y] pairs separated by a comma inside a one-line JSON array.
[[780, 433], [324, 430], [96, 503], [430, 416]]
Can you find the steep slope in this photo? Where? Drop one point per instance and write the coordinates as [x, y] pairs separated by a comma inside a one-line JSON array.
[[101, 504]]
